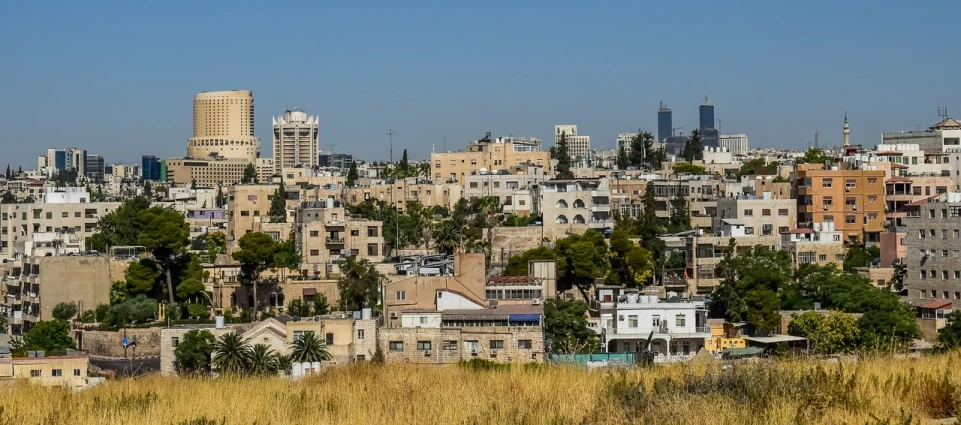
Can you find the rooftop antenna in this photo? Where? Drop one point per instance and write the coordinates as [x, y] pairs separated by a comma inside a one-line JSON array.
[[943, 112], [676, 128], [816, 134]]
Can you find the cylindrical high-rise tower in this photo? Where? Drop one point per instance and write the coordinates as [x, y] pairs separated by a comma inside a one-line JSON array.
[[224, 126]]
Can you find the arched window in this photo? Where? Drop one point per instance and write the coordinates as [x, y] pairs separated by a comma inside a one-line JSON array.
[[561, 219], [578, 203], [578, 219], [561, 204]]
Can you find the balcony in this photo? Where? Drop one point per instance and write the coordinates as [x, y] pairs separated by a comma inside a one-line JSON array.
[[663, 330], [601, 208], [334, 241]]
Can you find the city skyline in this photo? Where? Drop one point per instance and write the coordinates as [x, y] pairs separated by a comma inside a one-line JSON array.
[[109, 73]]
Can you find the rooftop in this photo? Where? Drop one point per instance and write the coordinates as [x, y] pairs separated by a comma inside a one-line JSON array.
[[511, 281]]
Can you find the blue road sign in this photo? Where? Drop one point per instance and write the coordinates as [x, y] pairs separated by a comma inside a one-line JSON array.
[[125, 342]]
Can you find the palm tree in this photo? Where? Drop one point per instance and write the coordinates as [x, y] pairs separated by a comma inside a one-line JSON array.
[[424, 169], [231, 353], [447, 236], [309, 348], [263, 361], [284, 364]]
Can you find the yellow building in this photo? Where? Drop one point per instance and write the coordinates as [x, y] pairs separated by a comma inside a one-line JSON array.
[[492, 156], [64, 371]]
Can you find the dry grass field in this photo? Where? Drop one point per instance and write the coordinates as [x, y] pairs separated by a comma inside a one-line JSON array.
[[868, 391]]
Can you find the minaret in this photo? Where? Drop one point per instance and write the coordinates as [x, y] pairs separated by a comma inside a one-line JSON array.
[[847, 131]]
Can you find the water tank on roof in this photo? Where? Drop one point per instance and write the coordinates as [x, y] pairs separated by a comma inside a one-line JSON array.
[[483, 171]]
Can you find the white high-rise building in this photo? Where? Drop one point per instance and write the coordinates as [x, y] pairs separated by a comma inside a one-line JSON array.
[[578, 147], [735, 143], [296, 140]]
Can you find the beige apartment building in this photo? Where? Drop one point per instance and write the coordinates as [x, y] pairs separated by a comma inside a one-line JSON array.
[[296, 140], [19, 223], [248, 205], [349, 339], [58, 371], [327, 233], [34, 285], [573, 206], [466, 288], [487, 156], [761, 216], [821, 245], [853, 200]]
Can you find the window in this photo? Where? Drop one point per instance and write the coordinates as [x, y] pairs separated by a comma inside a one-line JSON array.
[[245, 213], [748, 213], [827, 183], [945, 295], [298, 335], [396, 346], [355, 232], [372, 232], [923, 294], [782, 212], [957, 274], [400, 295], [827, 201], [77, 214], [314, 252], [851, 201], [872, 181], [175, 341], [680, 320], [748, 230], [944, 253], [766, 212], [423, 345], [850, 219], [934, 294], [56, 372], [471, 346], [423, 320], [372, 249], [35, 373], [360, 334], [656, 321], [957, 295], [632, 321], [822, 257], [838, 257], [329, 338], [497, 344], [944, 276], [314, 233], [450, 345], [473, 185], [850, 184], [932, 274], [76, 372], [49, 215], [524, 344]]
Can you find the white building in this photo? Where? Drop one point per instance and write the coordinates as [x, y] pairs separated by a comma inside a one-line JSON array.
[[578, 147], [296, 140], [576, 205], [624, 140], [679, 329], [66, 195], [735, 143], [942, 135]]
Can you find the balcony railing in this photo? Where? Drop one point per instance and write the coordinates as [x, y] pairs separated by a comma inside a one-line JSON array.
[[335, 241]]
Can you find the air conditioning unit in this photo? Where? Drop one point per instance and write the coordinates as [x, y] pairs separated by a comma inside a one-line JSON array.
[[427, 353], [536, 301], [493, 353], [393, 315], [473, 352], [854, 207], [847, 188]]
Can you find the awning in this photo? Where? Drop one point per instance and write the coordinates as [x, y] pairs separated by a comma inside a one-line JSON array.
[[524, 318], [309, 292], [937, 304]]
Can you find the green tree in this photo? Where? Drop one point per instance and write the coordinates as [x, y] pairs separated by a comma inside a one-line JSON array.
[[813, 156], [255, 255], [897, 278], [284, 364], [49, 335], [887, 321], [8, 198], [352, 175], [139, 309], [309, 348], [950, 335], [193, 184], [166, 235], [403, 168], [263, 361], [221, 197], [687, 167], [857, 256], [623, 161], [65, 311], [321, 306], [447, 236], [757, 167], [359, 284], [831, 334], [198, 311], [141, 277], [298, 308], [193, 354], [278, 205], [680, 219], [565, 324], [287, 257], [648, 228], [583, 259], [642, 148], [751, 286], [231, 354], [121, 227], [518, 265], [250, 174], [631, 265], [563, 157], [693, 150]]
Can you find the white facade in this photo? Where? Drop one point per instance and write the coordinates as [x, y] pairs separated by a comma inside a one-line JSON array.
[[585, 202], [910, 155], [447, 300], [296, 140], [735, 143], [420, 319], [578, 147], [679, 328], [66, 195], [718, 156]]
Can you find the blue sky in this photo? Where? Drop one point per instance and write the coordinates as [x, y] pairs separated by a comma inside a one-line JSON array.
[[118, 78]]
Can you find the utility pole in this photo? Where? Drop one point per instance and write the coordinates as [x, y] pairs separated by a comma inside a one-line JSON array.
[[390, 137]]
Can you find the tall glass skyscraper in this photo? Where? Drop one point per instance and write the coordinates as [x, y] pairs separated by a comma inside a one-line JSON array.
[[707, 115], [150, 168], [664, 122]]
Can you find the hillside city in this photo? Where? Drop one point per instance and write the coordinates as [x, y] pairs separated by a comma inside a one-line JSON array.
[[659, 247]]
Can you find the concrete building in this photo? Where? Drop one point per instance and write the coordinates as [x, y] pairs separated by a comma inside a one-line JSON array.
[[941, 136], [339, 161], [223, 141], [737, 144], [296, 140], [518, 194], [326, 234], [933, 253], [852, 199], [576, 205], [349, 337], [506, 334], [94, 167], [494, 157], [20, 222], [578, 146], [762, 216], [821, 245], [246, 205], [55, 371], [465, 288], [34, 285], [624, 141], [680, 328]]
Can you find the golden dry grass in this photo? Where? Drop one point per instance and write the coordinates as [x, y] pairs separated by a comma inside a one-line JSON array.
[[798, 391]]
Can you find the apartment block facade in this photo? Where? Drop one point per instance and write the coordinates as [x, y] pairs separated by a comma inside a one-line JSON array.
[[933, 250], [852, 199]]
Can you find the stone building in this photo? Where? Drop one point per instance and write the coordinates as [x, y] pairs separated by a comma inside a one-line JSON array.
[[933, 252]]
